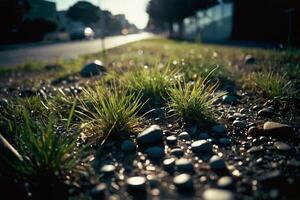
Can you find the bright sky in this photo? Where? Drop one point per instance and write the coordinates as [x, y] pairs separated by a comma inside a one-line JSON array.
[[135, 10]]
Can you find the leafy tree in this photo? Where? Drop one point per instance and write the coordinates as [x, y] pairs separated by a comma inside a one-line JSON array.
[[84, 12]]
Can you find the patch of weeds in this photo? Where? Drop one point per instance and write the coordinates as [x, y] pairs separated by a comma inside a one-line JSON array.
[[192, 101], [110, 111], [274, 85], [152, 83]]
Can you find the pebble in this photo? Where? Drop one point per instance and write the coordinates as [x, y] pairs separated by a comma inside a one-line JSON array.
[[184, 164], [266, 112], [98, 191], [93, 69], [128, 146], [239, 124], [177, 152], [151, 136], [281, 146], [184, 136], [253, 130], [203, 136], [169, 164], [183, 181], [216, 163], [277, 129], [224, 141], [229, 99], [201, 146], [256, 149], [3, 103], [155, 152], [220, 128], [270, 177], [108, 170], [226, 182], [171, 140], [249, 59], [136, 183], [217, 194]]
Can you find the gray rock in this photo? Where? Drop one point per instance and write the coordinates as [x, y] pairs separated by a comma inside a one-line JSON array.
[[239, 124], [171, 140], [128, 146], [229, 99], [184, 136], [217, 194], [93, 69], [224, 141], [203, 136], [277, 130], [266, 112], [150, 136], [3, 103], [281, 146], [249, 59], [98, 191], [226, 182], [256, 149], [183, 181], [155, 152], [253, 130], [177, 152], [220, 128], [216, 163], [201, 146], [108, 170], [184, 164], [136, 183], [169, 164]]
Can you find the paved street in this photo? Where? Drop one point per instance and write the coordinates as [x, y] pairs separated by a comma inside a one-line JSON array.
[[16, 55]]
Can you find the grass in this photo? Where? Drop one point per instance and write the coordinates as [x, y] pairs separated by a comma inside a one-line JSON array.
[[110, 111], [192, 101], [273, 85]]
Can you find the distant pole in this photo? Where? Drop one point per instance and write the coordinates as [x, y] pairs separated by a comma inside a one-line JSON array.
[[290, 14]]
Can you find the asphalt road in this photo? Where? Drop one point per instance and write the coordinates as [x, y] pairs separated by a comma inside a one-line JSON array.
[[18, 54]]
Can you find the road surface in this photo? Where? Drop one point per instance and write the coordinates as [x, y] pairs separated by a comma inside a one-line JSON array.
[[17, 55]]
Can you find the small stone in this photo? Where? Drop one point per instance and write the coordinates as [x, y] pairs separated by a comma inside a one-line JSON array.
[[281, 146], [184, 136], [128, 146], [201, 146], [203, 136], [224, 141], [217, 194], [150, 136], [256, 107], [256, 149], [177, 152], [216, 163], [253, 130], [270, 177], [171, 140], [136, 183], [293, 163], [98, 191], [108, 170], [239, 124], [183, 181], [277, 130], [229, 99], [184, 164], [152, 180], [93, 69], [155, 152], [169, 164], [226, 182], [249, 59], [220, 128], [266, 112], [3, 103]]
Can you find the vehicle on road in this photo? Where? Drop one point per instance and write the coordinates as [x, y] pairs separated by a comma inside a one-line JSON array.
[[82, 33]]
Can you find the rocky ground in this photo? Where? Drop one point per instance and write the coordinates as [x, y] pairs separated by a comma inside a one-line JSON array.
[[251, 151]]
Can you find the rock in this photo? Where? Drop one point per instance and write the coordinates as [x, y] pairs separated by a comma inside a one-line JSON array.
[[171, 140], [226, 182], [229, 99], [239, 124], [155, 152], [270, 177], [184, 165], [216, 163], [8, 151], [277, 130], [281, 146], [256, 107], [183, 182], [184, 136], [220, 128], [93, 69], [151, 136], [152, 180], [177, 152], [224, 141], [266, 112], [253, 130], [217, 194], [203, 136], [108, 170], [169, 164], [3, 103], [256, 149], [128, 146], [136, 184], [98, 191], [201, 146], [249, 59]]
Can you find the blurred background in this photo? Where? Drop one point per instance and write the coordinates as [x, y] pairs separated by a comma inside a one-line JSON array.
[[265, 21]]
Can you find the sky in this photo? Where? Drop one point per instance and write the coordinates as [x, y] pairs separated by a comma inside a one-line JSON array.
[[135, 10]]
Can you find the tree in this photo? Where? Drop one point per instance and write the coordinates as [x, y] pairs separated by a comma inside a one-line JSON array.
[[84, 12], [171, 11]]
